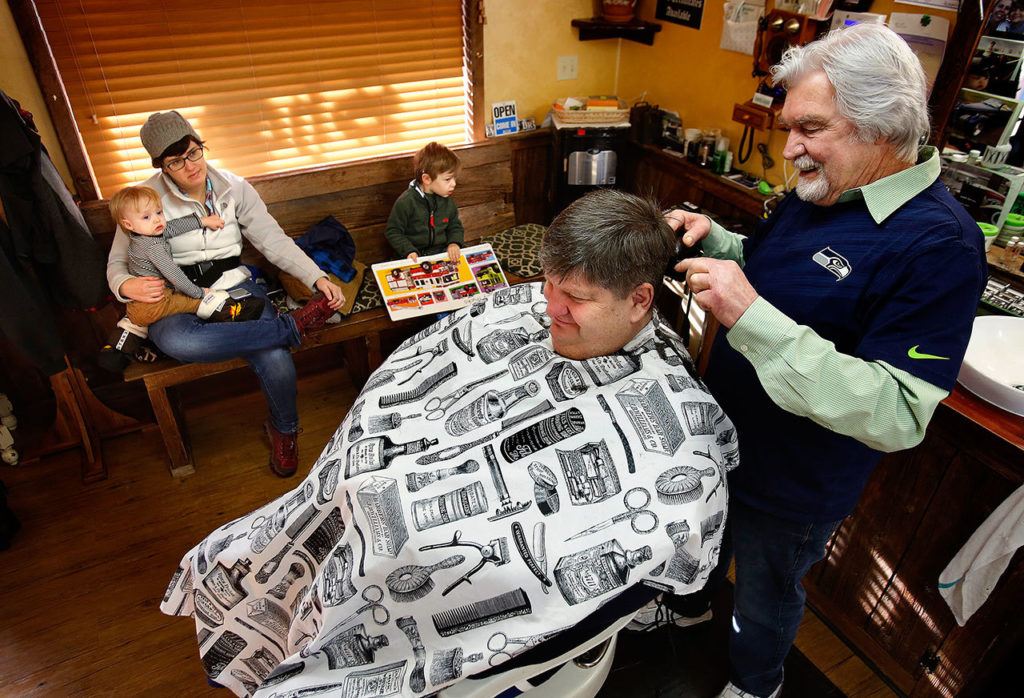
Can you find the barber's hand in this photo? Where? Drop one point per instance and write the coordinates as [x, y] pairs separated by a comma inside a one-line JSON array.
[[719, 286], [144, 289], [695, 226], [335, 297]]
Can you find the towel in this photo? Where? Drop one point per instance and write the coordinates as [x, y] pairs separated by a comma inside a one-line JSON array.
[[973, 573]]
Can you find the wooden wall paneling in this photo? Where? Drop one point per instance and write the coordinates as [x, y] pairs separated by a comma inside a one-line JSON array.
[[300, 184], [964, 653], [865, 553]]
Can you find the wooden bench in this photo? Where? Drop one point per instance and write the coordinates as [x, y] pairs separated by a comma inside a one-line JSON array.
[[360, 195]]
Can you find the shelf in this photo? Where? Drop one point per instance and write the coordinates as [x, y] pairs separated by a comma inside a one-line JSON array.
[[637, 30]]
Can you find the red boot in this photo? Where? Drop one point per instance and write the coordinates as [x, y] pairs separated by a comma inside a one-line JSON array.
[[313, 315], [284, 451]]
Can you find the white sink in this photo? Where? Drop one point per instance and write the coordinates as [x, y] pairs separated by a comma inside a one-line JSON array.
[[993, 368]]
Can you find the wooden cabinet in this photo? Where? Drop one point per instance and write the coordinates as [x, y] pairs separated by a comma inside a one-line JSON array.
[[649, 171], [878, 584]]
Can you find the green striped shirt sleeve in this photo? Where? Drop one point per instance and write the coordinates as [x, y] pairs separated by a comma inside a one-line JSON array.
[[721, 244], [879, 405]]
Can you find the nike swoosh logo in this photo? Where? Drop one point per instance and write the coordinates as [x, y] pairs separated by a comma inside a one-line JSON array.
[[915, 354]]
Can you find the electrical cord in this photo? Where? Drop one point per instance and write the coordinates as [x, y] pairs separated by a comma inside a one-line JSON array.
[[746, 146], [767, 162]]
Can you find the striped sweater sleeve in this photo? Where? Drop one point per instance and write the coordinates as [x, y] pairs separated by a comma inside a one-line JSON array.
[[159, 255]]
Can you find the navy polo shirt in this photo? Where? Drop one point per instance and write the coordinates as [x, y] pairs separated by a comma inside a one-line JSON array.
[[899, 291]]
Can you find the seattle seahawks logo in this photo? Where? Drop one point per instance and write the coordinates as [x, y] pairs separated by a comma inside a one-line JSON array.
[[834, 262]]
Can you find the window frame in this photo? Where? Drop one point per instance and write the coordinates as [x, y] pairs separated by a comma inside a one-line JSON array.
[[30, 27]]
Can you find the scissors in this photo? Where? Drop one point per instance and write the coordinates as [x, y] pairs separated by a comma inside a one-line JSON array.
[[373, 595], [498, 644], [635, 510], [437, 406]]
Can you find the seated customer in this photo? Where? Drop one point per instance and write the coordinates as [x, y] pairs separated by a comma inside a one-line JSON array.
[[492, 477]]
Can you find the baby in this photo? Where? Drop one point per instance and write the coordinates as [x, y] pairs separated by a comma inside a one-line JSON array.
[[139, 212]]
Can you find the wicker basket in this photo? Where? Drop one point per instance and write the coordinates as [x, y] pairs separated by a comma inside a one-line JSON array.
[[582, 116]]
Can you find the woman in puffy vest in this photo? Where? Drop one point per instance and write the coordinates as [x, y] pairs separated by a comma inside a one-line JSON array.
[[190, 189]]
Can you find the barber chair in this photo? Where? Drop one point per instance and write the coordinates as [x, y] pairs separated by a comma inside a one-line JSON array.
[[573, 665], [578, 673]]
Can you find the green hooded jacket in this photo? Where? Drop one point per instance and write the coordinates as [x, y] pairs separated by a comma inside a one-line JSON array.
[[409, 225]]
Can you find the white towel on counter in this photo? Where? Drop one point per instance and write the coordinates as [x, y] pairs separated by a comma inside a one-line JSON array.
[[973, 573]]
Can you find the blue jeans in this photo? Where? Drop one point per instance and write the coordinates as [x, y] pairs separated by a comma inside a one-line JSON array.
[[772, 556], [263, 343]]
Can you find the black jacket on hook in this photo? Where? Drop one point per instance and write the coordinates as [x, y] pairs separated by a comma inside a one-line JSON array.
[[47, 254]]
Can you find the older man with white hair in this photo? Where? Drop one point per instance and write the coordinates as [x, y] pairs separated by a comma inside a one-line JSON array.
[[846, 318]]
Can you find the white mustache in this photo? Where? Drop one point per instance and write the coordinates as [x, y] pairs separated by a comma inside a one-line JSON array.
[[806, 162]]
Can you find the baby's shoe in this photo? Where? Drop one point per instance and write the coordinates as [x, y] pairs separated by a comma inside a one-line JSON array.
[[239, 311], [218, 306], [124, 345]]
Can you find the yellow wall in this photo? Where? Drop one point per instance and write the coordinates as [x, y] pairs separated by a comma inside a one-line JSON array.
[[687, 72], [19, 82], [522, 43]]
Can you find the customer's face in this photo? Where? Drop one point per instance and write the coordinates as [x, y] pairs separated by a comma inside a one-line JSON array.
[[822, 144], [192, 175], [588, 321]]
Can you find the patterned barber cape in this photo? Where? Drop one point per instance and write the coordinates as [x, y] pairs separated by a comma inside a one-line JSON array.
[[481, 487]]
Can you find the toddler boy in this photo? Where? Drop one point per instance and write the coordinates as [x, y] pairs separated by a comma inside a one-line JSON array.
[[424, 219]]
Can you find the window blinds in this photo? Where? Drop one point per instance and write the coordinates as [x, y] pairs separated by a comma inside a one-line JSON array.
[[270, 87]]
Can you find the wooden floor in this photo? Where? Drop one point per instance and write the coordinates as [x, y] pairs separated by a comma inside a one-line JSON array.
[[81, 586]]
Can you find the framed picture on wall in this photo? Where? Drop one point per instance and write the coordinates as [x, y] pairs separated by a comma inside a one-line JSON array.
[[1007, 20]]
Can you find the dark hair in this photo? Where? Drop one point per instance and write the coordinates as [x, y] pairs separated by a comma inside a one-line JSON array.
[[610, 239], [175, 149], [433, 159]]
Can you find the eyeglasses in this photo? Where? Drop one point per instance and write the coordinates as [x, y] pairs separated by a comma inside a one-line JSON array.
[[194, 155]]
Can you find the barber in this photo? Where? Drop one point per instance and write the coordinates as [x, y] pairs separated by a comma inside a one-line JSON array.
[[845, 319]]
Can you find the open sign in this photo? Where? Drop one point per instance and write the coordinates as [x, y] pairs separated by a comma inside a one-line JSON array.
[[505, 118]]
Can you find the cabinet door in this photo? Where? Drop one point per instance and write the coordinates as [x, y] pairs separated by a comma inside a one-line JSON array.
[[920, 631], [866, 551], [878, 584]]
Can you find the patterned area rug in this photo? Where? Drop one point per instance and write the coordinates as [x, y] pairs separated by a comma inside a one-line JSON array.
[[518, 248]]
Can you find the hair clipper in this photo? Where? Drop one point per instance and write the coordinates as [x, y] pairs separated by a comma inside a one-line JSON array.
[[682, 250]]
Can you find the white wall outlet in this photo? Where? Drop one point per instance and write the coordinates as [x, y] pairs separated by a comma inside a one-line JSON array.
[[568, 67]]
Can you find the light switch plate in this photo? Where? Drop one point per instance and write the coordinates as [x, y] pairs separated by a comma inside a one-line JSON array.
[[568, 67]]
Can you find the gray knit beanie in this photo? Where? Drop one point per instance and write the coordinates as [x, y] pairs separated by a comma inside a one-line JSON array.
[[164, 129]]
